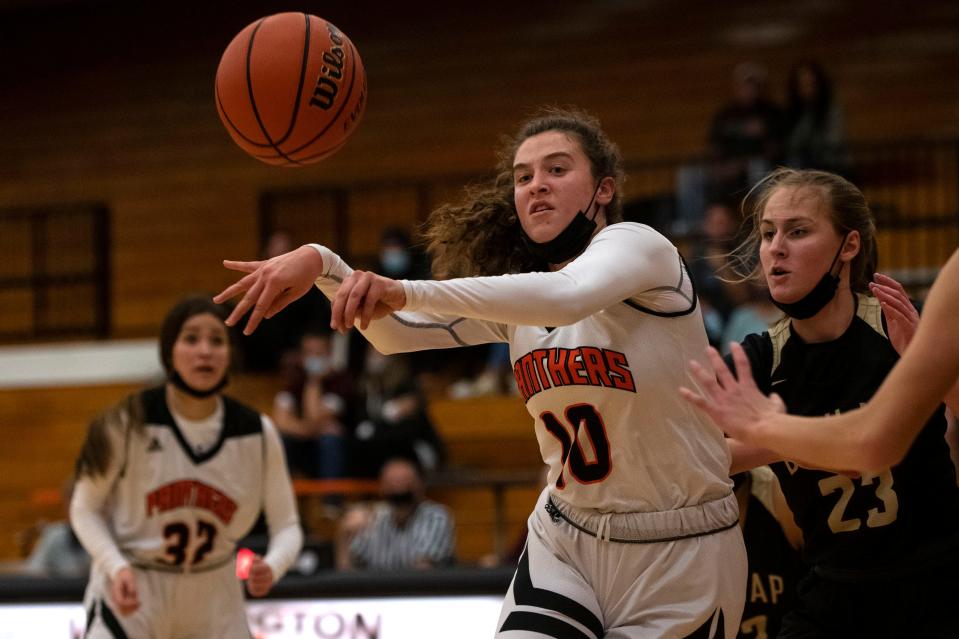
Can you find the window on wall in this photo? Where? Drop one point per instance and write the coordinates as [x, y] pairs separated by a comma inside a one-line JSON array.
[[54, 273], [349, 220]]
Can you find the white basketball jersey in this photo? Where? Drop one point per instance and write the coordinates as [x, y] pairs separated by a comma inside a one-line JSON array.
[[610, 422], [174, 507], [602, 386]]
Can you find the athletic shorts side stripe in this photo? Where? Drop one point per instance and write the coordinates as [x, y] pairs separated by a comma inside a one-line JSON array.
[[526, 594]]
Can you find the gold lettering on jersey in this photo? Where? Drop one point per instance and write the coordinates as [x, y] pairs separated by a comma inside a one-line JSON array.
[[546, 368], [192, 494], [760, 592]]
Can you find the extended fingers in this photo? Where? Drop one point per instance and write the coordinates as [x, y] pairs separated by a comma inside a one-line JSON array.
[[243, 284], [896, 300], [885, 280], [722, 372], [341, 318], [744, 370], [693, 397], [356, 295], [706, 378], [246, 267], [262, 304]]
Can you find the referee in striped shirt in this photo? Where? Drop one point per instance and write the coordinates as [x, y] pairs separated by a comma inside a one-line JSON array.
[[405, 531]]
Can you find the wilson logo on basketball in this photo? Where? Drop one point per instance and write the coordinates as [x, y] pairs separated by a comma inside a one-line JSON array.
[[327, 85]]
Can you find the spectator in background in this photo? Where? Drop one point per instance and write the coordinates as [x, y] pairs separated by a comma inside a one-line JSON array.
[[313, 411], [58, 552], [396, 421], [398, 258], [745, 141], [266, 351], [719, 297], [405, 531], [816, 132]]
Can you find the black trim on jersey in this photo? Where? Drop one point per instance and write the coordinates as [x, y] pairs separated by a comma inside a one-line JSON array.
[[526, 594], [111, 622], [91, 615], [238, 421], [683, 273], [703, 631]]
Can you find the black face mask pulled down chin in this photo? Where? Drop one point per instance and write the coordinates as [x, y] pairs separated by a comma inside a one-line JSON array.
[[570, 242], [179, 382], [816, 299]]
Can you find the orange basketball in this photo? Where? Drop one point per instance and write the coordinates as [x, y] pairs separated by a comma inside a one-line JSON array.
[[290, 89]]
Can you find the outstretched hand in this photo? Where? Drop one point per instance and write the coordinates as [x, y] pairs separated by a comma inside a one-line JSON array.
[[902, 318], [734, 402], [367, 295], [270, 285]]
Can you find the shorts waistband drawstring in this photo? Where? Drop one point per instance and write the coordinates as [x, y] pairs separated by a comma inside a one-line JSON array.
[[603, 531]]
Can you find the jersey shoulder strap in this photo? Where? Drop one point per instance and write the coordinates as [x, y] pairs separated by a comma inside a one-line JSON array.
[[239, 419]]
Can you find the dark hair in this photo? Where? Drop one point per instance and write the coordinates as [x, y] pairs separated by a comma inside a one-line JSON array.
[[848, 211], [481, 234], [795, 105], [177, 317], [97, 451]]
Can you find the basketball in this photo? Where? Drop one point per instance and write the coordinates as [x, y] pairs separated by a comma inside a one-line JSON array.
[[290, 89]]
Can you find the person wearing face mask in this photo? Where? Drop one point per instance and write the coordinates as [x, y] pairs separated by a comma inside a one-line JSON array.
[[167, 481], [636, 532], [398, 258], [884, 540], [405, 531], [313, 412]]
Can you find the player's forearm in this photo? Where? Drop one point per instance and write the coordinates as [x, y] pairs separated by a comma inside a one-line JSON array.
[[745, 457], [284, 547], [405, 331], [92, 531]]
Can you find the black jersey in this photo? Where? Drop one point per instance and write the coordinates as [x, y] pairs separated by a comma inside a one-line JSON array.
[[774, 571], [903, 519]]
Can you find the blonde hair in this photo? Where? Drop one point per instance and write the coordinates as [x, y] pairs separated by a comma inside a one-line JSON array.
[[847, 209]]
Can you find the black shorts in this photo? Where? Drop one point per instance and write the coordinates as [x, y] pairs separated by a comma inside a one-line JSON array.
[[917, 606]]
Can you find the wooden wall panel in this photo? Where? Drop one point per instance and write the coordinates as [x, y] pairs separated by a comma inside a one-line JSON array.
[[166, 247]]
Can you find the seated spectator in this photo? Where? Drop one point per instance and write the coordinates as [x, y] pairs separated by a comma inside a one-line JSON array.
[[395, 421], [405, 531], [816, 135], [57, 552], [708, 263], [278, 339], [755, 315], [745, 141], [313, 412]]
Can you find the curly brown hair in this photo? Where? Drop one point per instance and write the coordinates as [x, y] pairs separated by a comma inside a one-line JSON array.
[[480, 235]]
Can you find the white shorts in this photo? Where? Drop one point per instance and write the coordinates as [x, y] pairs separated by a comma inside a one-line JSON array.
[[198, 605], [573, 583]]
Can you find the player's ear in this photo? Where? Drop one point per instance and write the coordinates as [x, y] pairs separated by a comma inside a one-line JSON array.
[[606, 190]]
